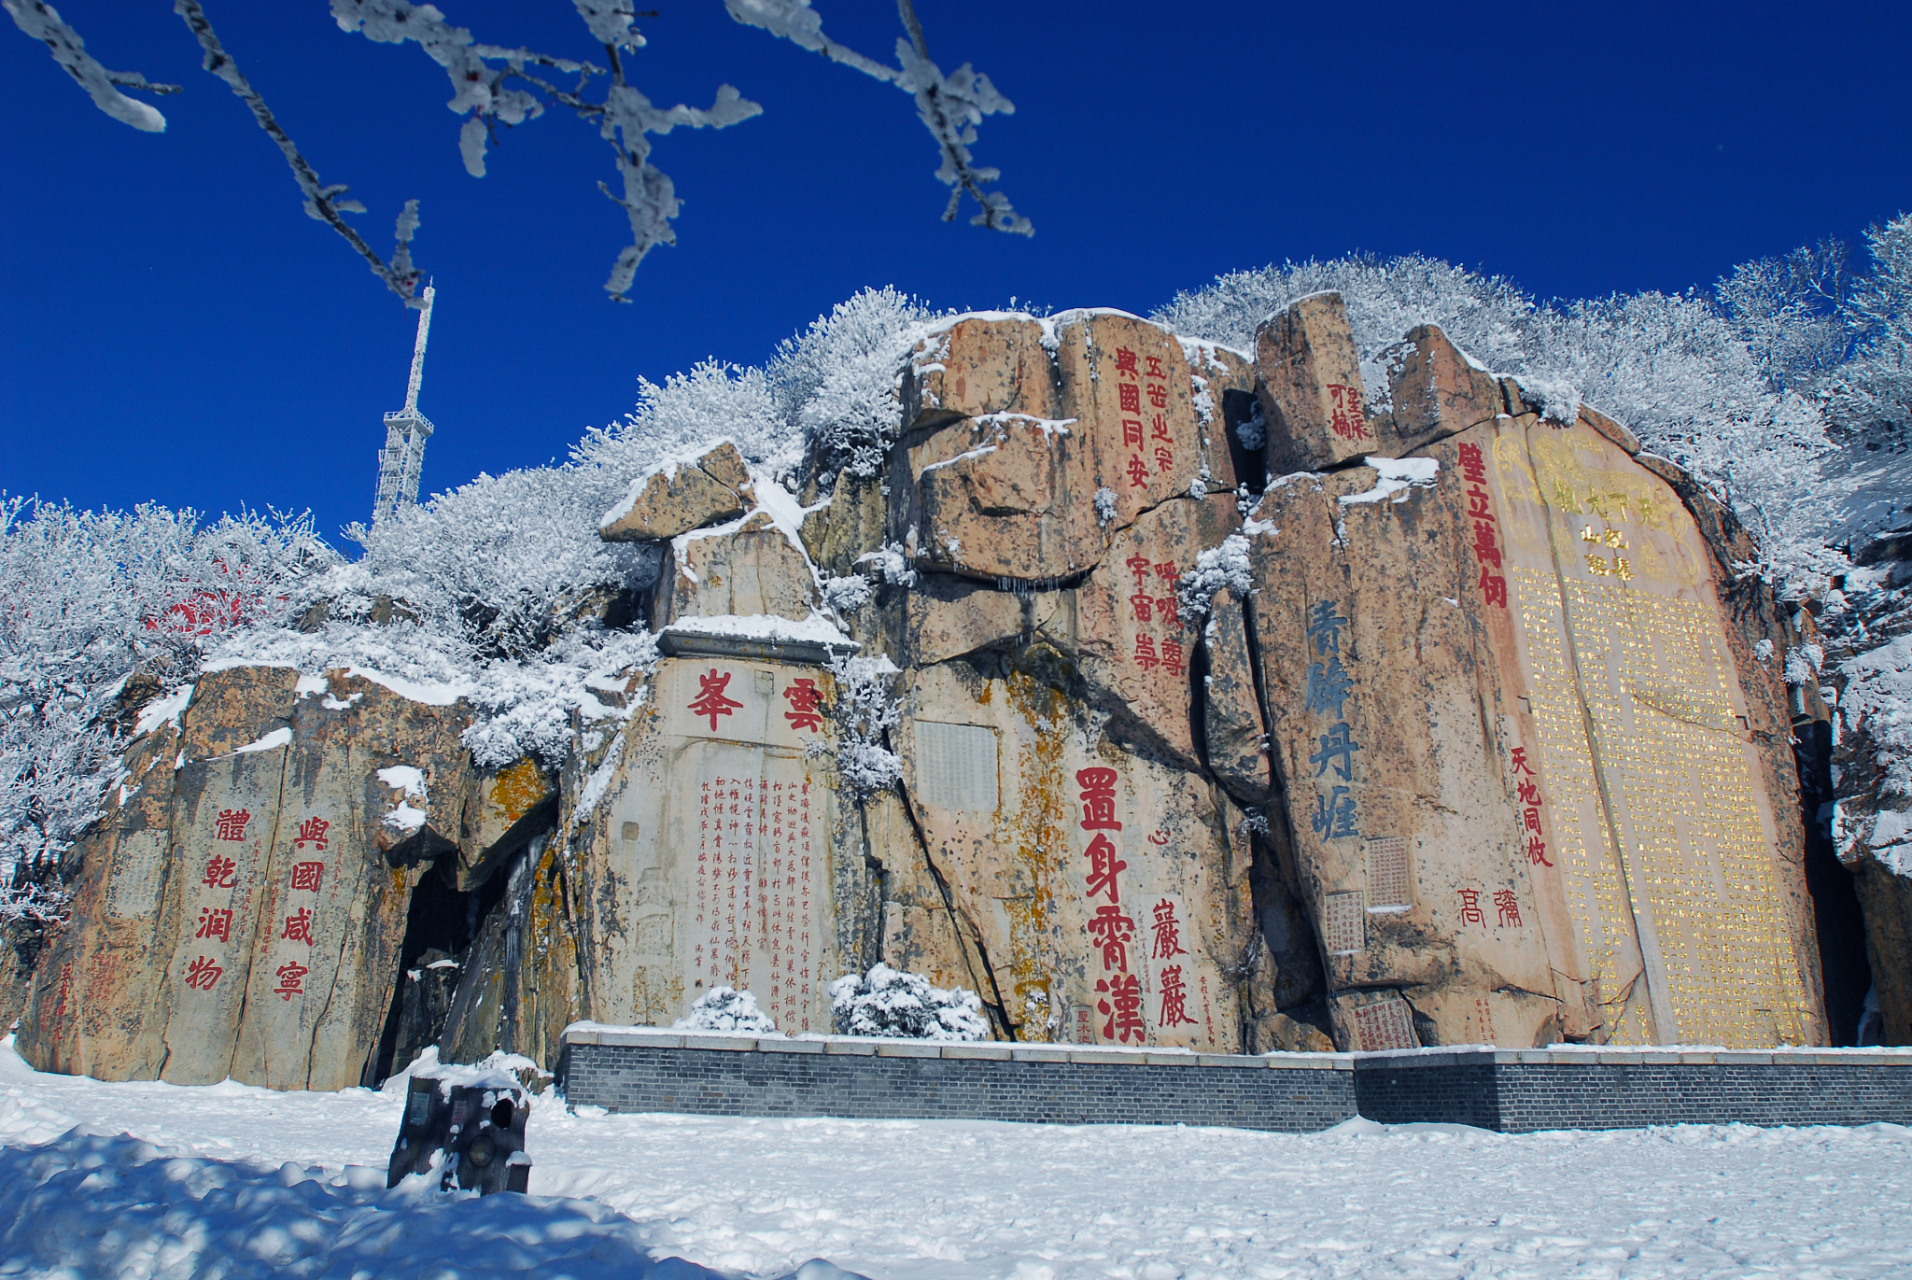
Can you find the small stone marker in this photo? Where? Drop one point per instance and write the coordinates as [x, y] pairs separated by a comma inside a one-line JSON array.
[[476, 1120]]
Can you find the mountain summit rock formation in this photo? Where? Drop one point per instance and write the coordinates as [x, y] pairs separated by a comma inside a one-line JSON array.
[[1160, 694]]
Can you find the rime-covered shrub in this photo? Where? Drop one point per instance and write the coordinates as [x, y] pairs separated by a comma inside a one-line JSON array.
[[865, 710], [837, 381], [833, 386], [87, 599], [715, 400], [1225, 566], [722, 1009], [1675, 368], [888, 1002]]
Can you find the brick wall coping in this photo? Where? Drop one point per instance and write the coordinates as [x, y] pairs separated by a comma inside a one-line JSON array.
[[594, 1033], [1588, 1055]]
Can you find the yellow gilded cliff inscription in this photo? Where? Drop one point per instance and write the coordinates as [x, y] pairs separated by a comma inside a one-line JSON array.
[[1664, 850]]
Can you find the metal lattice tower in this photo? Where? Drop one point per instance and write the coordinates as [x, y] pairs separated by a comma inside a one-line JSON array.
[[406, 431]]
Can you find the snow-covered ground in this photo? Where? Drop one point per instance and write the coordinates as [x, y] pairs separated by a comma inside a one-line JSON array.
[[237, 1181]]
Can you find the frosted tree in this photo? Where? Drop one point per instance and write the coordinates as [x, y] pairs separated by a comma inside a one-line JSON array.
[[494, 85], [889, 1002], [93, 601], [1871, 396], [1676, 368]]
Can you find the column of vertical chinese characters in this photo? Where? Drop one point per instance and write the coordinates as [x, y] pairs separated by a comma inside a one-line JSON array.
[[307, 876], [779, 936], [215, 922], [1492, 584], [1120, 991], [750, 928], [1335, 815], [1527, 786], [1164, 649], [1128, 393], [706, 941], [808, 960], [805, 716], [724, 871], [1166, 946], [1347, 416]]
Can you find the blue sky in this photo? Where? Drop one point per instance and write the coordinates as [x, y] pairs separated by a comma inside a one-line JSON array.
[[174, 328]]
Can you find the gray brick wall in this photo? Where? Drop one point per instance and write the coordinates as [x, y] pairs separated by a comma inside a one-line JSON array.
[[640, 1069], [751, 1082]]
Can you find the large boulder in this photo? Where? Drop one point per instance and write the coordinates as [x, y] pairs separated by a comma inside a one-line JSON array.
[[1536, 781], [236, 915], [681, 494], [1028, 446]]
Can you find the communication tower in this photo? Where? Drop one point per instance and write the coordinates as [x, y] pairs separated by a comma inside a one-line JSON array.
[[406, 431]]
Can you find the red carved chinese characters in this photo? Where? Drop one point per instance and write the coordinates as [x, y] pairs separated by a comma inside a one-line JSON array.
[[202, 973], [1527, 787], [1161, 650], [711, 700], [1104, 867], [215, 922], [1174, 1011], [231, 824], [1168, 932], [1110, 929], [1493, 585], [1470, 907], [1121, 1006], [1112, 932], [221, 873], [1345, 415], [1507, 906], [1098, 799], [312, 831], [306, 875], [291, 980], [298, 927], [805, 702]]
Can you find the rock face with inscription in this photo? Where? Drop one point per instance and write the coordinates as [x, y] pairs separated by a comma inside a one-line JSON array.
[[236, 915], [1454, 730], [1536, 785]]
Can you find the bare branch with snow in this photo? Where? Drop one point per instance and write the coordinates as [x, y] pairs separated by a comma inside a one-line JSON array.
[[323, 203], [43, 22], [950, 107]]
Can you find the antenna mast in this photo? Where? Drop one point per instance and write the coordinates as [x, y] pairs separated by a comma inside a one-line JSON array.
[[406, 431]]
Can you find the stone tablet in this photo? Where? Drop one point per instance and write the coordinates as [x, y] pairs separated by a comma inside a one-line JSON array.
[[958, 765], [711, 852]]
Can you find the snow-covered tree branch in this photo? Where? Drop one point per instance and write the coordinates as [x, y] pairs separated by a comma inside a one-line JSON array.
[[493, 85]]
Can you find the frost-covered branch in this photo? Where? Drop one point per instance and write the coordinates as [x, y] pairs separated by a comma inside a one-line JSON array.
[[323, 203], [950, 107], [43, 22], [481, 91], [865, 711]]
